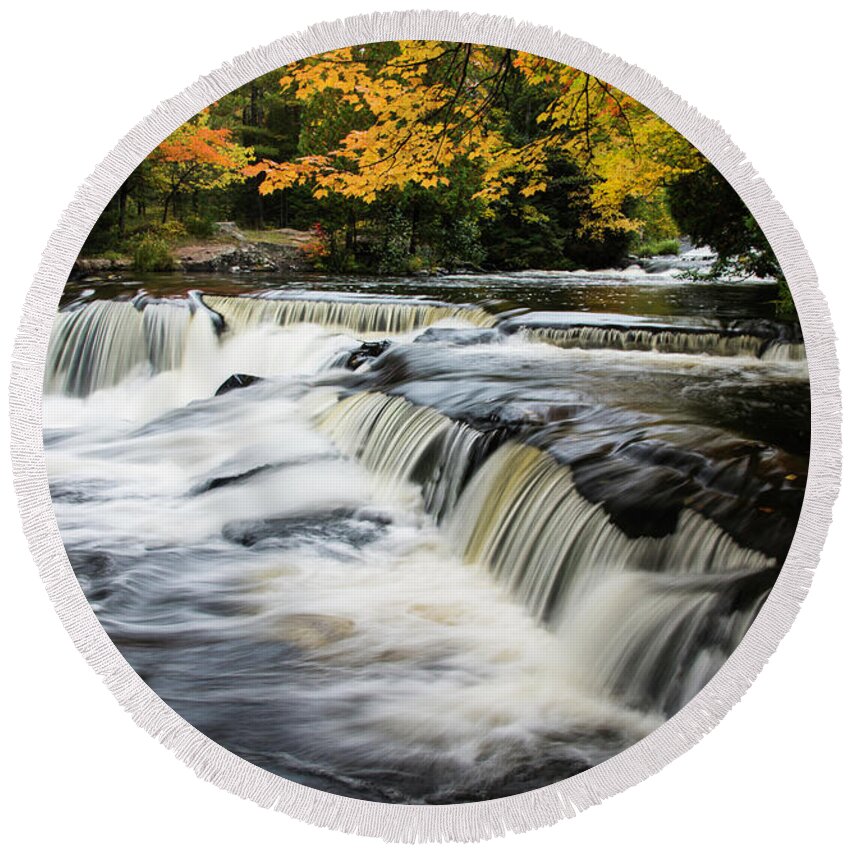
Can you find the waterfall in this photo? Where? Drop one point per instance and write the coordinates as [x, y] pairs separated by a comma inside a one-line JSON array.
[[785, 352], [102, 342], [650, 643], [165, 334], [366, 317], [403, 441], [452, 540], [520, 513], [655, 612], [522, 516], [640, 339]]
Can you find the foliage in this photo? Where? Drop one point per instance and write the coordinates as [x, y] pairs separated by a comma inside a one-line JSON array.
[[421, 154], [319, 245], [327, 250], [196, 157], [199, 226], [711, 212], [430, 104], [461, 246], [152, 255], [394, 252]]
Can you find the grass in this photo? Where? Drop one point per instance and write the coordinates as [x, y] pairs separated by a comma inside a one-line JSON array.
[[657, 248], [275, 237]]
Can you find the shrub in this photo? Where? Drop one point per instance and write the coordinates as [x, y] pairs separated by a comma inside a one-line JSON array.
[[199, 227], [170, 231], [152, 255]]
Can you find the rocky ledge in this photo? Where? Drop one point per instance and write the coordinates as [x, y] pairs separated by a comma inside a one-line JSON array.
[[230, 251]]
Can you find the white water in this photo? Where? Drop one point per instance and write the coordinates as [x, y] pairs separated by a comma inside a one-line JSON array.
[[368, 317], [646, 340], [430, 608]]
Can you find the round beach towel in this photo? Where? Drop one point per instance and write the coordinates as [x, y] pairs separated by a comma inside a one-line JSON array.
[[416, 423]]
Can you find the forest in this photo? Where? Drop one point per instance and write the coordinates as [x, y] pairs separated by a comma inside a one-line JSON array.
[[409, 157]]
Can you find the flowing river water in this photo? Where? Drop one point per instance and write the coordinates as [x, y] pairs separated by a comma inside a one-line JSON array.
[[465, 537]]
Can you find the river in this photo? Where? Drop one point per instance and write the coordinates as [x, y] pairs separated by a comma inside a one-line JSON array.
[[467, 536]]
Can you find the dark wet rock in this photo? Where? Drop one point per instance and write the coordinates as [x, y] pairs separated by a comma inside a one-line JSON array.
[[746, 488], [237, 382], [768, 329], [219, 481], [197, 303], [229, 480], [366, 352], [643, 501], [329, 527]]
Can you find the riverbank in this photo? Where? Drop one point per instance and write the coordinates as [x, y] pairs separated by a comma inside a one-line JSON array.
[[230, 249], [235, 250]]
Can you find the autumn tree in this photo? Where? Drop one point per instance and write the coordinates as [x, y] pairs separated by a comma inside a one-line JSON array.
[[195, 157], [431, 104], [404, 155]]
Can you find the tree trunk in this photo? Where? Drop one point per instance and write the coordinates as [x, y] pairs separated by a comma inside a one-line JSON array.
[[414, 227], [122, 208], [258, 201], [351, 232]]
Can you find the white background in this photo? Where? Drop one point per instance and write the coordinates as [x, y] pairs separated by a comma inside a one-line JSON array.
[[78, 76]]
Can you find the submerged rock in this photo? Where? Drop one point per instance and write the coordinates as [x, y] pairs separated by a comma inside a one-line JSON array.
[[328, 528], [237, 382], [313, 631]]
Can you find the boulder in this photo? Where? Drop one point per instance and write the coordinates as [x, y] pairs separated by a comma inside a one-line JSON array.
[[367, 351]]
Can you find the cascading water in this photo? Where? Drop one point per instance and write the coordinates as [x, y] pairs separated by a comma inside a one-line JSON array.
[[523, 518], [644, 340], [463, 563], [785, 352], [365, 317]]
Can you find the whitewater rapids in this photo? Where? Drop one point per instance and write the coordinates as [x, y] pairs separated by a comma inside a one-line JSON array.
[[340, 578]]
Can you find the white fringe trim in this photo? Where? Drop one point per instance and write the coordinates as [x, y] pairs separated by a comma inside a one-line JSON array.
[[467, 821]]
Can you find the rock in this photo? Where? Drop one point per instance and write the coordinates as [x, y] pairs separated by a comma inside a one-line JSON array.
[[460, 336], [95, 268], [237, 382], [367, 351], [229, 228], [656, 266], [318, 530], [229, 258]]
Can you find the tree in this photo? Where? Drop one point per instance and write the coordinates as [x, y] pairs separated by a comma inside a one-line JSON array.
[[712, 213], [197, 157], [425, 105]]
